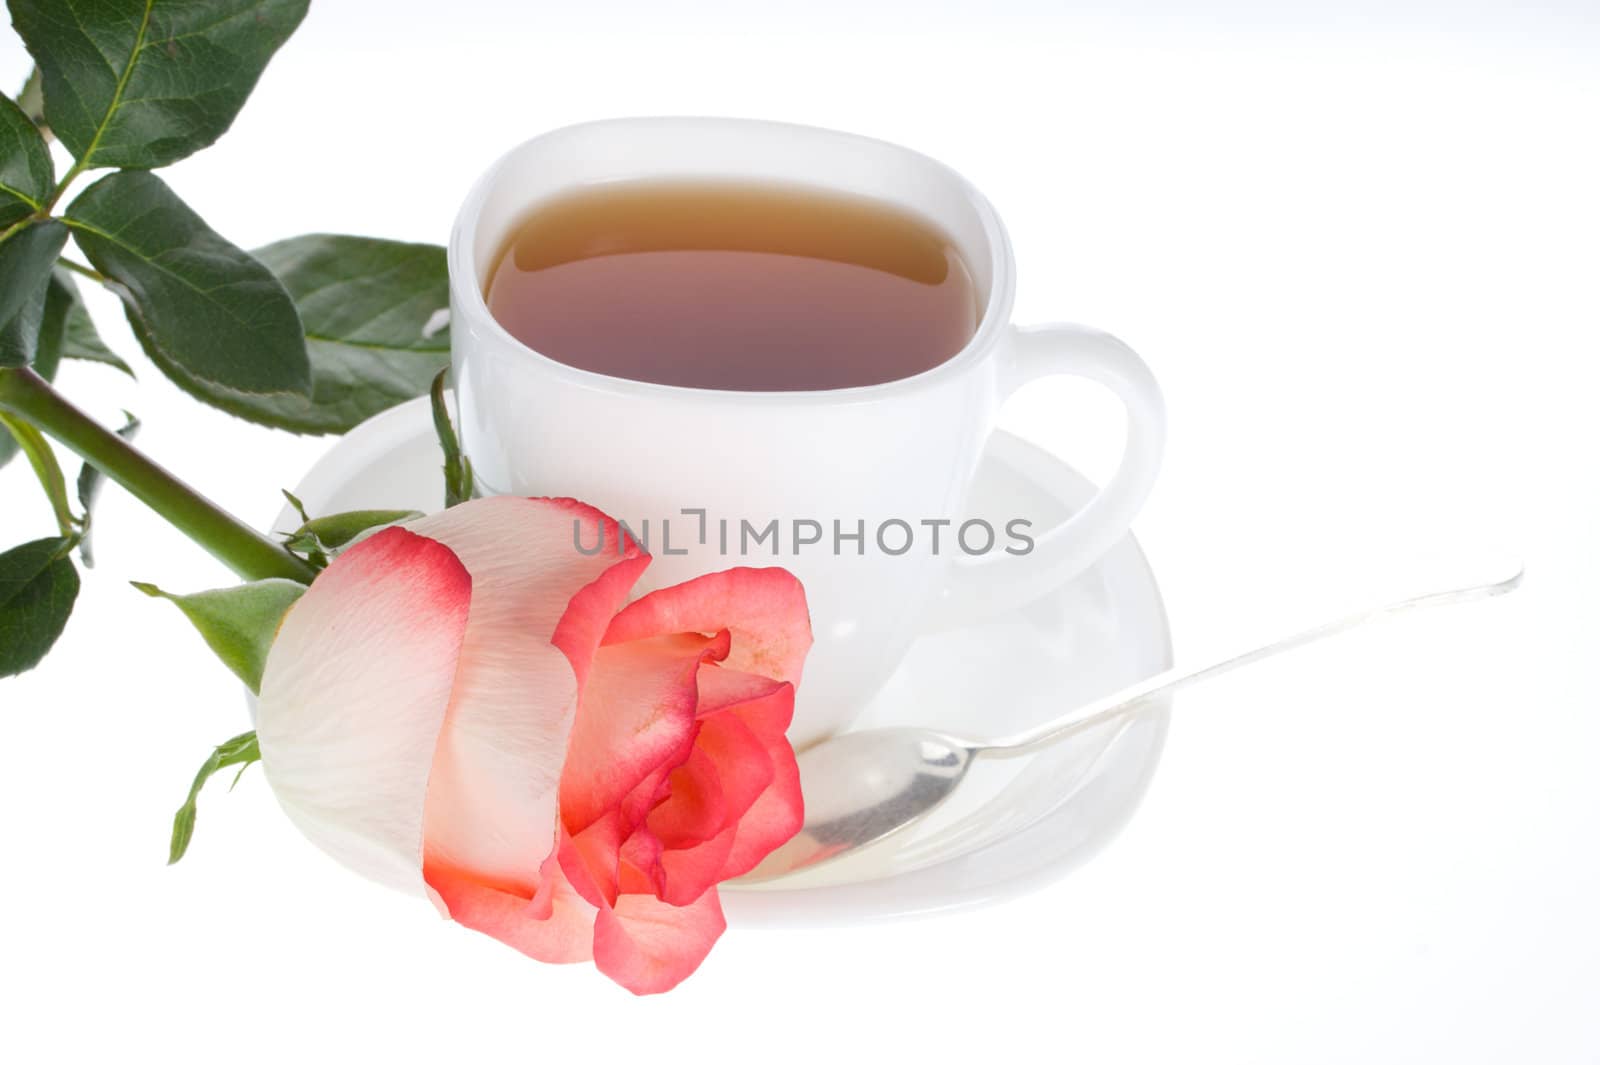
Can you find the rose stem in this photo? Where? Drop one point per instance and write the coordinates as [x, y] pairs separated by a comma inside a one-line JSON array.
[[239, 547]]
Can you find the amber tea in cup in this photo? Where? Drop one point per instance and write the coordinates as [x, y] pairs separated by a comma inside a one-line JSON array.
[[735, 286]]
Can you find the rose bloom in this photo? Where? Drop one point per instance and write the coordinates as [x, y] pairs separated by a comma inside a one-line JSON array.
[[465, 708]]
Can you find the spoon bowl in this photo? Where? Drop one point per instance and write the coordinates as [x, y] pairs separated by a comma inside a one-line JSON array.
[[888, 778]]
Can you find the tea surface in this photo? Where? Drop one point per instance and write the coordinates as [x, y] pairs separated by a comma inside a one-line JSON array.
[[745, 287]]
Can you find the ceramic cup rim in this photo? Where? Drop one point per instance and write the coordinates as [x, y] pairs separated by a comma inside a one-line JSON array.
[[467, 296]]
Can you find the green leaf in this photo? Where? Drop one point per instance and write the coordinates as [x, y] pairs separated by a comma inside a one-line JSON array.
[[308, 547], [47, 328], [143, 83], [294, 501], [336, 530], [212, 318], [45, 467], [26, 176], [26, 256], [8, 446], [31, 100], [61, 300], [38, 585], [303, 543], [19, 337], [241, 751], [371, 310], [75, 349], [89, 481], [80, 340], [457, 467], [238, 623]]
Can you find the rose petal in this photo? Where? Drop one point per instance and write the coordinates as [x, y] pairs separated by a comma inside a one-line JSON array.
[[653, 788], [768, 712], [556, 925], [648, 946], [590, 859], [722, 687], [689, 872], [780, 810], [744, 770], [354, 695], [639, 869], [492, 798], [637, 711], [694, 809], [726, 771], [743, 762], [771, 820], [764, 608], [584, 624]]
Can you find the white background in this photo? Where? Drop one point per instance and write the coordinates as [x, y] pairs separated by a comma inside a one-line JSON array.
[[1358, 246]]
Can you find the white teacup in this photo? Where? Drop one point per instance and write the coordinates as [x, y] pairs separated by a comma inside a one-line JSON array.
[[883, 459]]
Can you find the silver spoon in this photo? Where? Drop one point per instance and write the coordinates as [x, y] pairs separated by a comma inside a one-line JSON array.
[[862, 787]]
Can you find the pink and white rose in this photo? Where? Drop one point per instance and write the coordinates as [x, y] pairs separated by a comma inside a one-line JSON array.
[[468, 708]]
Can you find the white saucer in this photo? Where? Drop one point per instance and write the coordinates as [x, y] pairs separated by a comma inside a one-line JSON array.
[[1015, 825]]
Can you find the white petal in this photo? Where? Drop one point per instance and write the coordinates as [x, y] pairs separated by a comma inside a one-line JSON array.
[[492, 798], [354, 695]]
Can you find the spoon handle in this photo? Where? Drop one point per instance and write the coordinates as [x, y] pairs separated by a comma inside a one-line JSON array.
[[1461, 590]]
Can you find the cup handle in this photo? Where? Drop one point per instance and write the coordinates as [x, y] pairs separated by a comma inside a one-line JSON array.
[[992, 583]]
